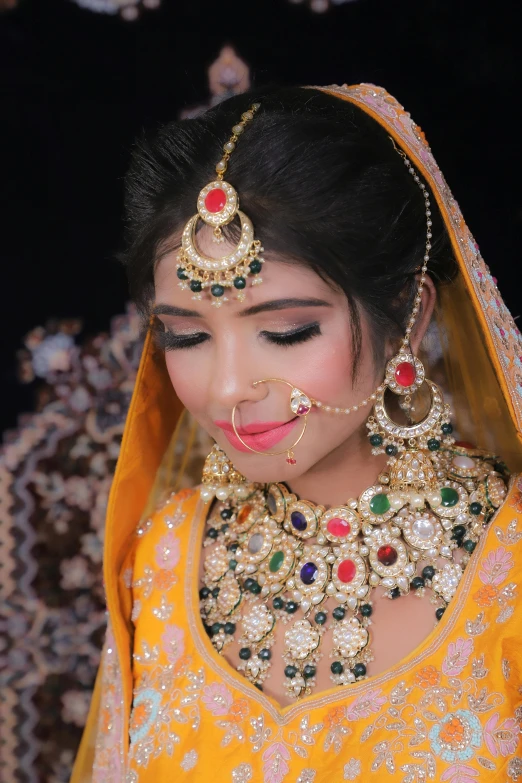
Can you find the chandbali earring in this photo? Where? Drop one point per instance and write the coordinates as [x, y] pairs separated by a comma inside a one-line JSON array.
[[300, 405], [218, 205], [221, 479]]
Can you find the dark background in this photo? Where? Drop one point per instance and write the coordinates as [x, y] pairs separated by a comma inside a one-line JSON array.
[[77, 86]]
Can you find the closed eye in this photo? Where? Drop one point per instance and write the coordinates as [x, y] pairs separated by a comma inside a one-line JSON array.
[[168, 341], [296, 336]]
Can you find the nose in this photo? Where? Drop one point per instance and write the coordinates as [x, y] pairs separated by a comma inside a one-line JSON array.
[[233, 377]]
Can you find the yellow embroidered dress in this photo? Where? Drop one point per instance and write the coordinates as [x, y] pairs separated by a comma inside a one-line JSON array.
[[167, 707]]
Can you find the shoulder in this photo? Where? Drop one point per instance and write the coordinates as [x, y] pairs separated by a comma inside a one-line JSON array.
[[171, 511]]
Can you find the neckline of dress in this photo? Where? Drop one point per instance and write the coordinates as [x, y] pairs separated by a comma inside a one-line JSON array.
[[282, 715]]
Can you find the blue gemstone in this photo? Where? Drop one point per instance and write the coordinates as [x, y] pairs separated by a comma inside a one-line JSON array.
[[308, 573], [298, 520]]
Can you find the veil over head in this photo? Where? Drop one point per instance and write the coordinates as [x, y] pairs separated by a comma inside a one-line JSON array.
[[476, 358]]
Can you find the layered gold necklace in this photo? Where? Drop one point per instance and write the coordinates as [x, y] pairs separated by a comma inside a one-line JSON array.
[[274, 559]]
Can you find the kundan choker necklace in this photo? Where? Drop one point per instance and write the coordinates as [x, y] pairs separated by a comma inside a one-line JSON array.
[[273, 559]]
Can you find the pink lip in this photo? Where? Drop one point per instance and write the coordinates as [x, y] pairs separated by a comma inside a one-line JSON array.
[[259, 435]]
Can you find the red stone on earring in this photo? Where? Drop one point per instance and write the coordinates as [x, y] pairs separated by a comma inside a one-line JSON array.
[[291, 461], [303, 410], [405, 374], [215, 200]]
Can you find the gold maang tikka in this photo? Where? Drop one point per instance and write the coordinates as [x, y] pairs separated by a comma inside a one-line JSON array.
[[218, 205]]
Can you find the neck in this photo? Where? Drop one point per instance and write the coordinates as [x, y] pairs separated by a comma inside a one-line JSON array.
[[344, 473]]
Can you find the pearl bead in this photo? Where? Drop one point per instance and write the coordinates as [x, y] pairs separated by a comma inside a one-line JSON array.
[[206, 494], [222, 493]]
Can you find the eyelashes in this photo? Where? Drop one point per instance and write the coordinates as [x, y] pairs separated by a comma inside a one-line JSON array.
[[300, 335], [168, 341]]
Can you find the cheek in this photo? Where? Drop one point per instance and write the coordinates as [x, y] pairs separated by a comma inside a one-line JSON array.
[[187, 378], [327, 372]]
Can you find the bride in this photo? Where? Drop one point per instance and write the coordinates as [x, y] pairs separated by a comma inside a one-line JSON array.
[[337, 599]]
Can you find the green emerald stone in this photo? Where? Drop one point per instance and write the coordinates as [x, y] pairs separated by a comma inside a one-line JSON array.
[[450, 497], [379, 504], [276, 561]]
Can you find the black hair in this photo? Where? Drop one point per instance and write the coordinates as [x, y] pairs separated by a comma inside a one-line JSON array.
[[321, 182]]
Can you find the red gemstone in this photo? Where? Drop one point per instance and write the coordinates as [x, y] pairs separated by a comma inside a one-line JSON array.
[[405, 374], [215, 200], [291, 461], [338, 527], [302, 409], [346, 571], [387, 555]]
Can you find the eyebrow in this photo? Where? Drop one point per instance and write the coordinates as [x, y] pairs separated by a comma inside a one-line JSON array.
[[263, 307]]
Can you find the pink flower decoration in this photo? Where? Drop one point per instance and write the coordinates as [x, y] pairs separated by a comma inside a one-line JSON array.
[[365, 705], [217, 698], [457, 656], [173, 642], [168, 551], [503, 738], [496, 566], [460, 773], [275, 767]]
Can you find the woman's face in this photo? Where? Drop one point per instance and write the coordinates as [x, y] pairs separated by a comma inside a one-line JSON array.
[[292, 326]]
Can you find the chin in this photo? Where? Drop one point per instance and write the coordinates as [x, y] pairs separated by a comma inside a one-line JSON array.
[[273, 469]]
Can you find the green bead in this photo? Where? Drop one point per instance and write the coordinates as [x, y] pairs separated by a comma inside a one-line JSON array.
[[248, 583], [433, 444], [226, 513], [309, 671], [291, 607], [428, 572], [450, 497], [234, 547], [230, 628], [224, 528], [376, 440], [395, 593], [215, 628], [320, 618], [255, 267], [232, 564], [182, 274], [366, 610], [195, 286], [391, 450], [440, 611], [338, 613], [212, 532], [276, 561], [458, 532], [245, 653], [417, 582], [447, 429], [265, 654], [359, 670], [475, 508], [204, 592], [290, 671], [469, 545], [379, 504], [255, 588], [239, 283], [337, 667], [278, 603], [217, 290]]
